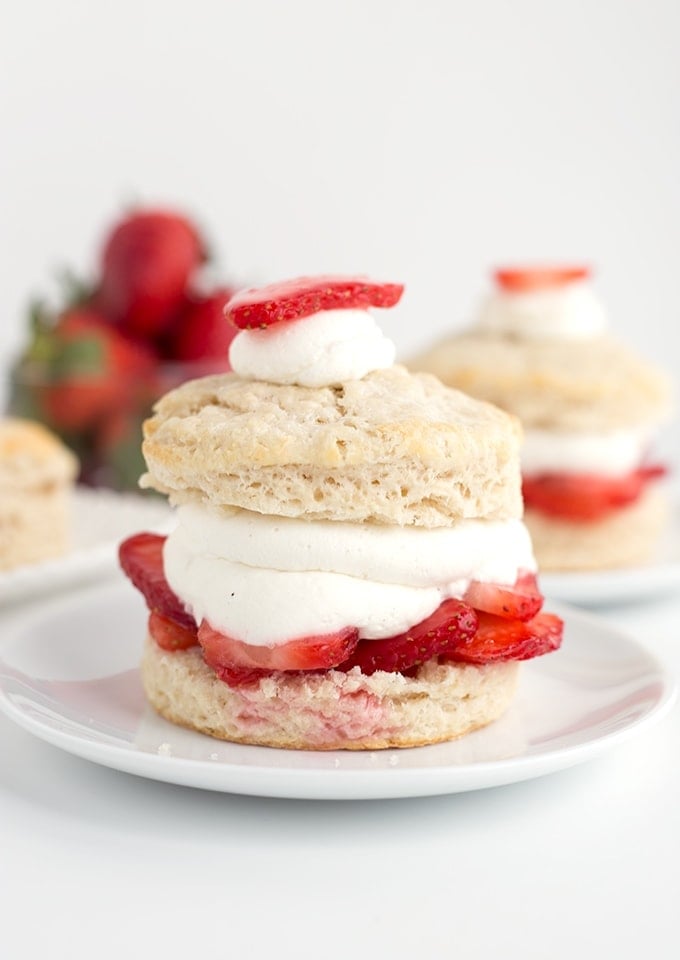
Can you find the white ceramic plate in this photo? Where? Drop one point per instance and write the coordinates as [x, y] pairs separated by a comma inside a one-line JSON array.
[[100, 519], [68, 674], [602, 587]]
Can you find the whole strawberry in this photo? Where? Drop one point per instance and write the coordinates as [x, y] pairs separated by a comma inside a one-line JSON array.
[[146, 265], [202, 335], [86, 368]]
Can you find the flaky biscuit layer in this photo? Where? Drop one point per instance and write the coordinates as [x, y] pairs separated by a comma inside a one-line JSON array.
[[390, 448]]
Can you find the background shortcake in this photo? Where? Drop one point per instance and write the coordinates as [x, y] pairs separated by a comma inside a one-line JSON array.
[[590, 408], [349, 568], [37, 473]]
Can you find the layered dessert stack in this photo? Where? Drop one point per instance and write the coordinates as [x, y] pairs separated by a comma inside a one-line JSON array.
[[590, 407], [349, 569]]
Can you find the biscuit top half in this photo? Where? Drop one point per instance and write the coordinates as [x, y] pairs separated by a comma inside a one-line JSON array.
[[32, 457], [390, 447], [591, 385]]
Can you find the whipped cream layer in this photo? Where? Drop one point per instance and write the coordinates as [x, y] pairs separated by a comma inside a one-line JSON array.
[[267, 580], [607, 454], [324, 349], [570, 312]]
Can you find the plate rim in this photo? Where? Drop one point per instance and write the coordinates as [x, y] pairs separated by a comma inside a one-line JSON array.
[[84, 562], [385, 782]]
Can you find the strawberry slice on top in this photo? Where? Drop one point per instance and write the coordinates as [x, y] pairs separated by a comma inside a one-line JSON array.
[[529, 279], [257, 309]]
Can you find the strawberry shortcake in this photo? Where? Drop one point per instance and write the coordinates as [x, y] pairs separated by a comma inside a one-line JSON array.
[[349, 568], [590, 408]]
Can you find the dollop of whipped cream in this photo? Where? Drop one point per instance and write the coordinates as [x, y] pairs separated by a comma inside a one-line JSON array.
[[608, 454], [320, 350], [570, 311], [266, 580]]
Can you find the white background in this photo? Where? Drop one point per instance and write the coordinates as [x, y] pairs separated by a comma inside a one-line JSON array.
[[420, 141]]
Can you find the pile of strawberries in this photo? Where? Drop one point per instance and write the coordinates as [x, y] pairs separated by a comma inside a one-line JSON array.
[[94, 366]]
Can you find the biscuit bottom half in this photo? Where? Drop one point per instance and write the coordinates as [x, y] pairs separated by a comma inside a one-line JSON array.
[[626, 537], [330, 710]]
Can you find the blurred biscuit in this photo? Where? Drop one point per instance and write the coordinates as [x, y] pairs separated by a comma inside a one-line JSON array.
[[625, 537], [592, 386], [36, 475]]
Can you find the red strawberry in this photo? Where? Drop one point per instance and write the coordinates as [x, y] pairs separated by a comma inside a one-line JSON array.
[[525, 279], [586, 497], [498, 638], [146, 264], [293, 299], [453, 622], [141, 557], [202, 332], [89, 370], [520, 602], [233, 657], [170, 635]]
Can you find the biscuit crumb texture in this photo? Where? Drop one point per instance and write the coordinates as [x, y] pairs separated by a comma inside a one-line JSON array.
[[392, 448], [330, 710]]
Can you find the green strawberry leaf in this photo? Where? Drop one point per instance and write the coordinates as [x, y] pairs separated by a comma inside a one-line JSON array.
[[78, 359], [76, 291]]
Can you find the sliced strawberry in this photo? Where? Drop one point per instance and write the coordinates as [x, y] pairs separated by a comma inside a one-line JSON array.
[[239, 676], [170, 635], [294, 299], [147, 261], [202, 333], [451, 623], [519, 602], [525, 279], [306, 653], [584, 497], [498, 639], [141, 558]]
